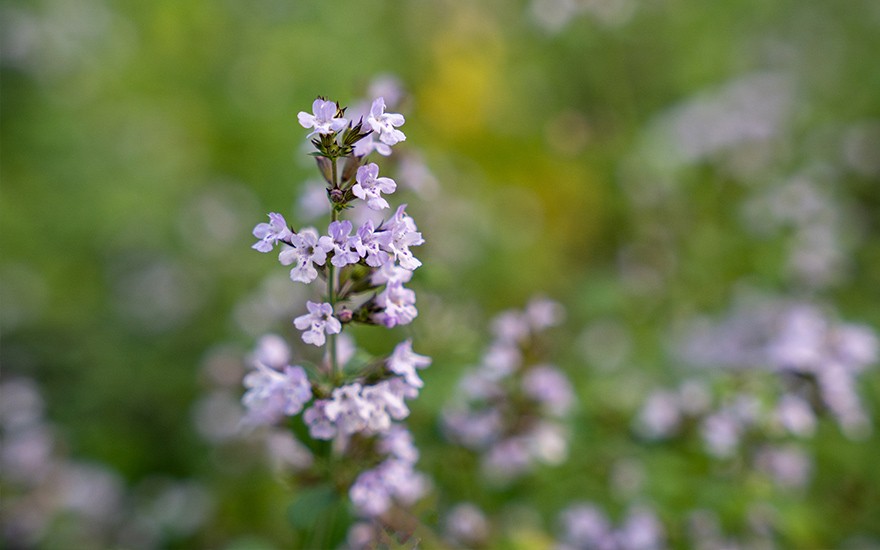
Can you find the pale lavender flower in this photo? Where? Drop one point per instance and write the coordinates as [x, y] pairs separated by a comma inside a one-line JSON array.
[[548, 443], [340, 242], [312, 202], [501, 359], [318, 320], [406, 484], [404, 361], [466, 525], [543, 313], [21, 404], [27, 454], [510, 327], [369, 244], [398, 442], [270, 233], [324, 120], [475, 430], [400, 388], [385, 124], [367, 145], [362, 536], [369, 494], [641, 530], [306, 250], [374, 491], [584, 525], [507, 459], [721, 433], [660, 416], [390, 273], [385, 404], [320, 425], [788, 466], [398, 306], [286, 453], [796, 415], [348, 409], [370, 186], [388, 87], [272, 351], [550, 387], [404, 234], [273, 394]]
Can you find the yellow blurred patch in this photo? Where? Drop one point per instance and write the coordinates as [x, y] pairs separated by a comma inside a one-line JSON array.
[[465, 93]]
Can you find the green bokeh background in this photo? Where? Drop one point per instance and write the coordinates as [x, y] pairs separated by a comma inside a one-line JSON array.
[[123, 123]]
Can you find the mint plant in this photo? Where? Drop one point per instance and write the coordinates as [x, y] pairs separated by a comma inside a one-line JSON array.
[[360, 271]]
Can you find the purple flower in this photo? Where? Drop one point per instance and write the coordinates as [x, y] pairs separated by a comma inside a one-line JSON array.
[[385, 124], [369, 243], [270, 233], [548, 386], [272, 394], [386, 403], [348, 409], [368, 144], [324, 119], [370, 186], [390, 273], [369, 494], [397, 304], [341, 243], [315, 417], [404, 234], [318, 320], [398, 442], [306, 250], [404, 361], [586, 526]]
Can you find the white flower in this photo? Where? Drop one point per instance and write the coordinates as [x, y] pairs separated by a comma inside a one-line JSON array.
[[318, 320], [403, 234], [398, 306], [272, 394], [270, 233], [306, 250], [385, 124], [315, 417], [404, 361], [370, 186], [324, 119], [348, 409]]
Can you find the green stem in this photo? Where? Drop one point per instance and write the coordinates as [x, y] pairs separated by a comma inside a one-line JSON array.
[[331, 291]]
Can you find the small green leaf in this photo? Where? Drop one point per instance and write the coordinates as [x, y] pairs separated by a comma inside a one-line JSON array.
[[311, 505]]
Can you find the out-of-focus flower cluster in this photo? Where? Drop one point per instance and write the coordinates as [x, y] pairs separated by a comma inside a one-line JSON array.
[[51, 500], [512, 408]]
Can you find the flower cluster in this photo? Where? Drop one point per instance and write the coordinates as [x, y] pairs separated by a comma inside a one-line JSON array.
[[807, 348], [510, 408], [584, 526], [363, 267], [393, 480]]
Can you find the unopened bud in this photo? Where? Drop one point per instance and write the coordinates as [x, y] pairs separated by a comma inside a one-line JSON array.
[[336, 195], [345, 315], [352, 163], [326, 168]]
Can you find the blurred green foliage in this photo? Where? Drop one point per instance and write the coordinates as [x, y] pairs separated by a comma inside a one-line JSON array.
[[142, 141]]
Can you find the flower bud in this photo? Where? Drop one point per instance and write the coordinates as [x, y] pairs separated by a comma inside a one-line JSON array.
[[345, 315], [326, 168], [337, 196], [352, 163]]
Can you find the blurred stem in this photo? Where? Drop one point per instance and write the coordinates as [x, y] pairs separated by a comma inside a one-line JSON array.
[[331, 288]]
